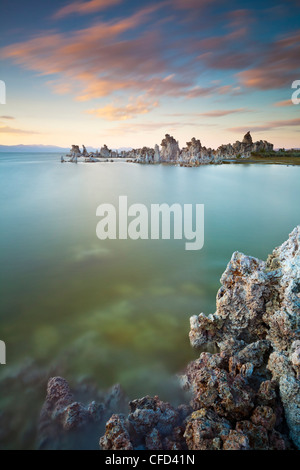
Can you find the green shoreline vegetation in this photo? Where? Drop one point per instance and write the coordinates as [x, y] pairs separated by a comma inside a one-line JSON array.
[[279, 157]]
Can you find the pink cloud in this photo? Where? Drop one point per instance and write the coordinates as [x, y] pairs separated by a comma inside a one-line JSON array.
[[280, 104], [13, 130], [99, 60], [224, 112], [278, 65], [192, 4], [83, 8], [268, 126], [135, 107]]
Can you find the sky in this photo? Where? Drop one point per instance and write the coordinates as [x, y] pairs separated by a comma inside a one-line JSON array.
[[125, 72]]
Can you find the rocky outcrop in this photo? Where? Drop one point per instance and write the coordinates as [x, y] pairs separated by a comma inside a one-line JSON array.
[[156, 154], [247, 140], [151, 424], [245, 394], [65, 421], [75, 151], [194, 154], [243, 149], [169, 149], [256, 328], [105, 152], [145, 155]]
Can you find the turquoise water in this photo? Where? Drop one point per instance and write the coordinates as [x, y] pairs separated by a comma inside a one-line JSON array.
[[118, 311]]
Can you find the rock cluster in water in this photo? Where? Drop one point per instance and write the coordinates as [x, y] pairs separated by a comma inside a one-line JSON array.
[[194, 154], [65, 419]]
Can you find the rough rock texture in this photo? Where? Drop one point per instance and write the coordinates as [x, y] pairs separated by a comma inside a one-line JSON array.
[[169, 149], [151, 424], [247, 140], [242, 149], [156, 154], [75, 151], [194, 154], [65, 421], [256, 328], [144, 155], [105, 152], [245, 395]]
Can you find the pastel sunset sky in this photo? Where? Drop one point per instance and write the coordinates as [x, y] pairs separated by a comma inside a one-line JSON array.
[[126, 72]]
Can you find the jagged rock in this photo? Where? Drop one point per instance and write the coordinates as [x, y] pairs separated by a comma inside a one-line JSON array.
[[194, 154], [75, 153], [170, 149], [246, 394], [117, 435], [145, 155], [64, 420], [236, 441], [150, 424], [262, 146], [247, 140], [205, 430], [256, 326], [156, 154], [105, 152]]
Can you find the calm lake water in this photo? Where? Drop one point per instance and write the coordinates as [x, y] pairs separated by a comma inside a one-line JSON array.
[[118, 311]]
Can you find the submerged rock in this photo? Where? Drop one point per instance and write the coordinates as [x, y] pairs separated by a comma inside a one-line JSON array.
[[66, 423]]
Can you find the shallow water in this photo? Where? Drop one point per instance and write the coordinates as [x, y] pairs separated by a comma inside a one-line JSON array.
[[118, 311]]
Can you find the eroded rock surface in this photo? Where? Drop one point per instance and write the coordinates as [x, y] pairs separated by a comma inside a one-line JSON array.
[[256, 328], [169, 149], [245, 395], [151, 424], [66, 422]]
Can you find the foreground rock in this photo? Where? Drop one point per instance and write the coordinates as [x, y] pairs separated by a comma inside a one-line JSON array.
[[256, 328], [67, 423], [246, 395], [151, 424]]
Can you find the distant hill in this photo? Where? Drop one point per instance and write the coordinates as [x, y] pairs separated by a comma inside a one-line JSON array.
[[32, 148]]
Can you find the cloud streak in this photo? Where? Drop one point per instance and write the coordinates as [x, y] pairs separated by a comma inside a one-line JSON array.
[[12, 130], [122, 113], [223, 112], [278, 65], [283, 103], [268, 126], [103, 58], [85, 8]]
